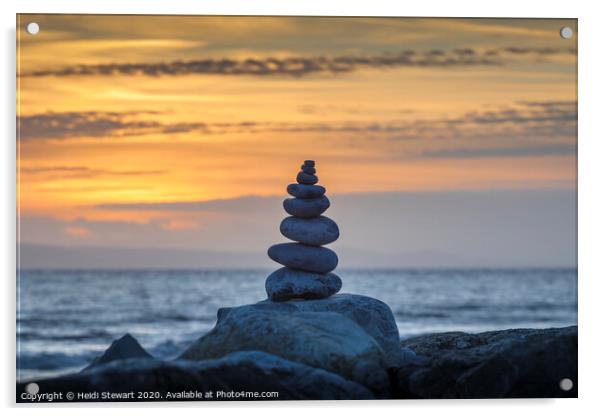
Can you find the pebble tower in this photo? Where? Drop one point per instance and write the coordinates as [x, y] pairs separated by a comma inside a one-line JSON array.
[[308, 266]]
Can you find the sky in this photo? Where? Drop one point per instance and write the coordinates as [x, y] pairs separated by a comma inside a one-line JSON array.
[[149, 141]]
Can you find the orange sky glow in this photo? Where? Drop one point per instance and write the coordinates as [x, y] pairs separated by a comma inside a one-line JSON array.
[[382, 105]]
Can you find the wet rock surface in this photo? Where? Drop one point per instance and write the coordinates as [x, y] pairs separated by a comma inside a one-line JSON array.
[[498, 364]]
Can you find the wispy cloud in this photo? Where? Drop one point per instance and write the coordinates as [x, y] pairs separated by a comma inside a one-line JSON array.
[[523, 119], [526, 129], [536, 51], [521, 151], [66, 125], [240, 204], [84, 171], [72, 125], [82, 124], [302, 66], [526, 112]]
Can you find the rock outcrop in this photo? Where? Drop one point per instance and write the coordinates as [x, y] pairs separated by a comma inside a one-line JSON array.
[[123, 348], [249, 372], [498, 364]]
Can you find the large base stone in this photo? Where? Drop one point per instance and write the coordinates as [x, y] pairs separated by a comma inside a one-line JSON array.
[[327, 340], [375, 317]]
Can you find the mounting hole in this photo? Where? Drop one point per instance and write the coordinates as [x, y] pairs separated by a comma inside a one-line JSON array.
[[566, 384], [32, 28], [566, 32], [32, 388]]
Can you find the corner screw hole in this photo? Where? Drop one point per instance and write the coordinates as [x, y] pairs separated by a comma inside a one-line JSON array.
[[566, 32], [566, 384], [32, 28]]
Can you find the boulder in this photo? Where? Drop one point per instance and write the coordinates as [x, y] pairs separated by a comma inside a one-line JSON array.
[[285, 284], [123, 348], [306, 208], [326, 340], [248, 371], [299, 190], [304, 257], [372, 315], [515, 363]]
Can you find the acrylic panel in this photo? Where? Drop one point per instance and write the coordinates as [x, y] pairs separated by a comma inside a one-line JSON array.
[[307, 208]]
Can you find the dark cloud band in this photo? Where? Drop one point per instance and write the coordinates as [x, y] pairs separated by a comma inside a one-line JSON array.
[[300, 66]]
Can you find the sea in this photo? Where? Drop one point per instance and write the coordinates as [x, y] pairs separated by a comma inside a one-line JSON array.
[[65, 318]]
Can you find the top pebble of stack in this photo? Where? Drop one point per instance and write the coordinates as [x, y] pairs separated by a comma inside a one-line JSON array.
[[307, 176]]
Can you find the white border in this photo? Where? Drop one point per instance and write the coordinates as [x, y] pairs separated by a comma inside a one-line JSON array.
[[590, 203]]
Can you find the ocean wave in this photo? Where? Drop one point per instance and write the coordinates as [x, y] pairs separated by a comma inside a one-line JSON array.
[[52, 361], [174, 317], [170, 349], [81, 336], [406, 314]]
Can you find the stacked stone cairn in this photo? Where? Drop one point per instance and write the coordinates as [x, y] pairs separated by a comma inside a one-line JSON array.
[[308, 265]]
